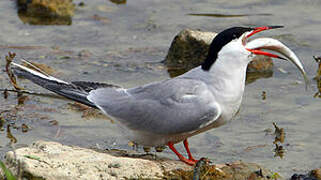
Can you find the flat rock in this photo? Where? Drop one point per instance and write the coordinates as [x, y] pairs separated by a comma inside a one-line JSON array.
[[52, 160], [189, 49]]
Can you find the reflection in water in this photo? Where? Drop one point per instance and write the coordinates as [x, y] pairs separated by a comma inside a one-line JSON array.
[[118, 1], [1, 122], [21, 99], [43, 20], [279, 151], [7, 118], [227, 15], [253, 76], [13, 140]]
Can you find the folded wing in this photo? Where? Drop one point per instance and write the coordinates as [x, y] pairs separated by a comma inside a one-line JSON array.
[[168, 107]]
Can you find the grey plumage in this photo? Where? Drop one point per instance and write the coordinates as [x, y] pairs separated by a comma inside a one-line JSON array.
[[171, 106]]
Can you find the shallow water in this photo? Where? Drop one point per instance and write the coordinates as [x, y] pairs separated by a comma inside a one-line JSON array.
[[126, 44]]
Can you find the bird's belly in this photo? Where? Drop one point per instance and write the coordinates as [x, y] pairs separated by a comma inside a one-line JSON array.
[[154, 140]]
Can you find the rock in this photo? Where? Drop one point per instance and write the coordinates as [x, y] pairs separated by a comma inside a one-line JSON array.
[[260, 64], [232, 171], [48, 8], [189, 49], [314, 174], [84, 53], [52, 160], [46, 12]]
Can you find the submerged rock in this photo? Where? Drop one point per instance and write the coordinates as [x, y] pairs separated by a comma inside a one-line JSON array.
[[189, 49], [52, 160]]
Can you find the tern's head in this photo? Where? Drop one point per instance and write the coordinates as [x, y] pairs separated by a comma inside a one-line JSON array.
[[231, 46], [232, 42]]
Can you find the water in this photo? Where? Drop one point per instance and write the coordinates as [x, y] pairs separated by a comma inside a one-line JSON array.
[[124, 44]]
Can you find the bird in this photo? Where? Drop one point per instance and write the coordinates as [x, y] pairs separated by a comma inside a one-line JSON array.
[[172, 110]]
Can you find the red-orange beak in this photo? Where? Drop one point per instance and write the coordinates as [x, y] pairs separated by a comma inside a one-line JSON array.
[[258, 51], [263, 28]]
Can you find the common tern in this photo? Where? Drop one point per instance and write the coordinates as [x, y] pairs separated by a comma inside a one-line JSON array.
[[170, 111]]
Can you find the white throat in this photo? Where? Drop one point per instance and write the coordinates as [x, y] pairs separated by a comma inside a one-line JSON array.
[[226, 77], [229, 71]]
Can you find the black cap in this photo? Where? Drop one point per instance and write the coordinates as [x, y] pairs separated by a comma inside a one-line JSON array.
[[221, 40]]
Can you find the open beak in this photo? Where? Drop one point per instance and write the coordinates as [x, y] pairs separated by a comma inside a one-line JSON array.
[[258, 51], [274, 45], [263, 28]]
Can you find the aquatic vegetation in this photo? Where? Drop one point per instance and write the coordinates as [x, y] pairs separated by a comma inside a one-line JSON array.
[[279, 134], [279, 137], [263, 95], [318, 60], [318, 76], [160, 148], [13, 140], [13, 80], [8, 174], [236, 170]]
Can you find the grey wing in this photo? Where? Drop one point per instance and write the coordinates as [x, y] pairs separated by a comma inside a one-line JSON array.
[[168, 107]]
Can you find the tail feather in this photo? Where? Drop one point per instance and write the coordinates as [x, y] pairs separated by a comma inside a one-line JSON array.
[[77, 90], [89, 86]]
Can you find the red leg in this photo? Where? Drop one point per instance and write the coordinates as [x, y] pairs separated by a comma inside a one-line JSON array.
[[190, 157], [182, 158]]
